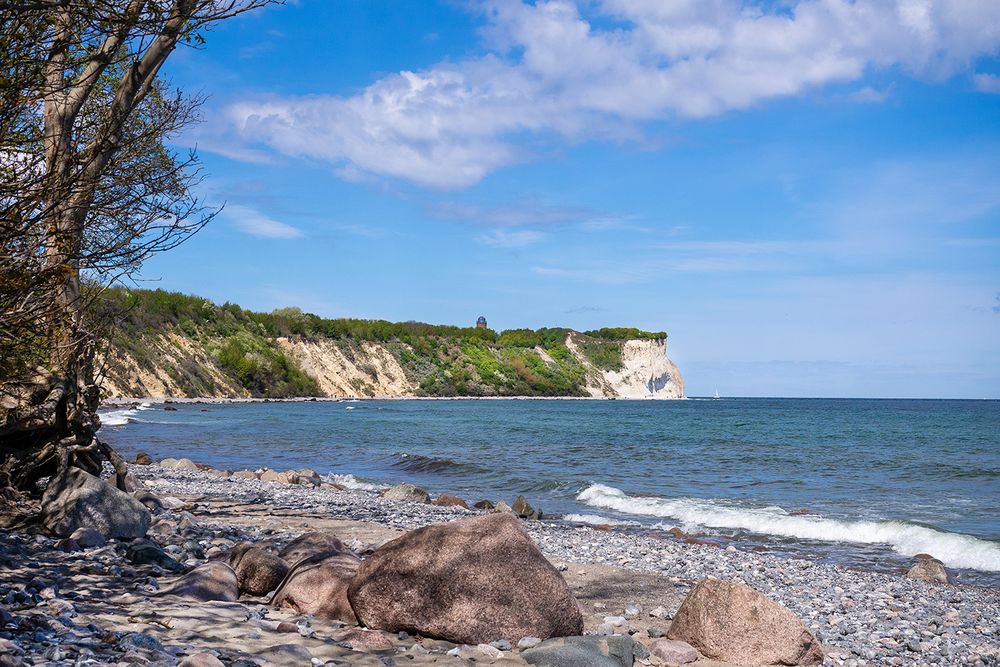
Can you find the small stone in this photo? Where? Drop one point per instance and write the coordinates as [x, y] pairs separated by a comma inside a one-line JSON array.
[[88, 537], [528, 642], [489, 650], [605, 629], [659, 612], [201, 660], [138, 641], [674, 652], [524, 510], [632, 610], [501, 644]]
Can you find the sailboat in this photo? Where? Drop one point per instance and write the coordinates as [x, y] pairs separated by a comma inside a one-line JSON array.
[[716, 393]]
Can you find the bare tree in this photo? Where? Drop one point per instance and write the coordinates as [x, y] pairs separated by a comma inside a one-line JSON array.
[[89, 189]]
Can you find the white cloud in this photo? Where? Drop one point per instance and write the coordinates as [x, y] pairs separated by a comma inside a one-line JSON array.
[[504, 239], [560, 72], [868, 95], [526, 212], [255, 223], [987, 83]]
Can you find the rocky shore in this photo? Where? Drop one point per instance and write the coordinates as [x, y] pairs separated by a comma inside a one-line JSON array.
[[87, 601]]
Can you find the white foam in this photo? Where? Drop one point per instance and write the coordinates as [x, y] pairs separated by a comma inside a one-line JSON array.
[[954, 549], [122, 416], [352, 482], [597, 520]]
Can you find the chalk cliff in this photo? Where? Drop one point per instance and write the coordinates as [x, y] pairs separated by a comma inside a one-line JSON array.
[[174, 366]]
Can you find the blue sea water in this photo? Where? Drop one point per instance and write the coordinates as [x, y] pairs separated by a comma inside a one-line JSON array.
[[863, 483]]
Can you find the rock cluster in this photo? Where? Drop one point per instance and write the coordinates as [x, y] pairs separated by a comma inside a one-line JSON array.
[[431, 589]]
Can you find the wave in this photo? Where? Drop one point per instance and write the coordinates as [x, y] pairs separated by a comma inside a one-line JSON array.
[[596, 520], [352, 482], [954, 549], [431, 464], [122, 416]]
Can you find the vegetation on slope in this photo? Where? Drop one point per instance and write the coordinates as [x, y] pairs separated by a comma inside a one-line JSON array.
[[442, 360]]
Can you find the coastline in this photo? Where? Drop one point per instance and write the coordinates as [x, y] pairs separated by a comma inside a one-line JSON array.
[[121, 401], [861, 618]]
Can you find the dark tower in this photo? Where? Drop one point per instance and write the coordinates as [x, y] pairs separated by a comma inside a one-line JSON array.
[[481, 322]]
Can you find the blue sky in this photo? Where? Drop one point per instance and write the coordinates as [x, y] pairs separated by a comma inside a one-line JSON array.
[[804, 194]]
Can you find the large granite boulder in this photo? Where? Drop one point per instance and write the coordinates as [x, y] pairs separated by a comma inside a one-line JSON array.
[[211, 581], [928, 569], [730, 621], [80, 500], [318, 585], [310, 544], [258, 572], [469, 582]]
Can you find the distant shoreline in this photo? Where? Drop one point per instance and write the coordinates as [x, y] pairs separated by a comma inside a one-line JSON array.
[[120, 401]]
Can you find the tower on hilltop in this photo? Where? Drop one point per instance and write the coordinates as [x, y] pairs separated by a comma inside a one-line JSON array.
[[481, 322]]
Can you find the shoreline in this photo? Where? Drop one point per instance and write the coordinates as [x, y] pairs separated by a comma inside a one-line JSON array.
[[857, 615], [121, 401], [861, 618]]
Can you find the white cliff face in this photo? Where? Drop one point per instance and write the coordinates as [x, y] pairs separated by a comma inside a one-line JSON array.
[[647, 372], [367, 369]]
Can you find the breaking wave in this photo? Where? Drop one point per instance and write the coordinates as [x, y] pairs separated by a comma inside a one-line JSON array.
[[954, 549], [352, 482], [122, 416]]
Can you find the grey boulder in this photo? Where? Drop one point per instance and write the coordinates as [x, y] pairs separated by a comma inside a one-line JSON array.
[[589, 651], [80, 500], [928, 569], [408, 493]]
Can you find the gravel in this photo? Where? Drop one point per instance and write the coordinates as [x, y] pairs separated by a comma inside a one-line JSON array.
[[862, 618]]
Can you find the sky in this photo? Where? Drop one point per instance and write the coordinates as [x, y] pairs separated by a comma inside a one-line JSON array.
[[804, 193]]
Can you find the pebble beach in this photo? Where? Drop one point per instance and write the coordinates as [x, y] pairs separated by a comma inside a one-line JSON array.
[[87, 606]]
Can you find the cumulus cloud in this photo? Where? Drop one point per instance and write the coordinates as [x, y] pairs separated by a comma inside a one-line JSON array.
[[562, 71], [255, 223]]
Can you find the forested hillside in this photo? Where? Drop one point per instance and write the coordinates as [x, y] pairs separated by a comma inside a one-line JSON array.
[[166, 343]]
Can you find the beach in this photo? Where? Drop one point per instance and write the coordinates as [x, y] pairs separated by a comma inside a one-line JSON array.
[[95, 599]]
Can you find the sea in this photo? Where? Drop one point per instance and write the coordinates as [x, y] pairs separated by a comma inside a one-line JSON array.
[[855, 482]]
